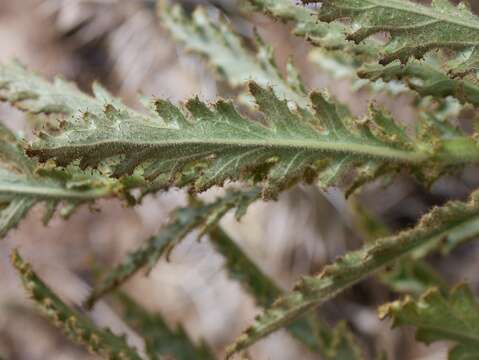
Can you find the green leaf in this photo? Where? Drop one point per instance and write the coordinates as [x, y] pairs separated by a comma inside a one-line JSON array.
[[426, 79], [161, 340], [184, 220], [340, 344], [453, 317], [31, 93], [76, 326], [342, 65], [455, 219], [329, 36], [342, 59], [410, 274], [225, 51], [439, 26], [211, 145], [23, 184], [241, 268]]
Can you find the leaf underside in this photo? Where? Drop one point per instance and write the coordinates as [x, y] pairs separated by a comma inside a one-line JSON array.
[[201, 146]]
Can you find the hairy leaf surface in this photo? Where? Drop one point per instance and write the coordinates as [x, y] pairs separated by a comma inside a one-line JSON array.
[[411, 274], [31, 93], [210, 145], [455, 219], [303, 19], [453, 317], [76, 326]]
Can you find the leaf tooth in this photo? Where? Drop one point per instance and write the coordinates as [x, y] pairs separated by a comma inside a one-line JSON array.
[[229, 114], [171, 114], [199, 110], [275, 110], [131, 162]]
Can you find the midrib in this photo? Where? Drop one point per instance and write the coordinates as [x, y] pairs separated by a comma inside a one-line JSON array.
[[355, 148], [51, 192]]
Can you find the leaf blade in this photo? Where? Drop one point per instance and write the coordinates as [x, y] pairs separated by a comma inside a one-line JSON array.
[[77, 327]]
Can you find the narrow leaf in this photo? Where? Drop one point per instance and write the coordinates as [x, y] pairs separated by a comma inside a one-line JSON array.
[[425, 79], [455, 219], [263, 289], [184, 220], [76, 326], [415, 29], [410, 274], [224, 49], [241, 268], [161, 340], [304, 19]]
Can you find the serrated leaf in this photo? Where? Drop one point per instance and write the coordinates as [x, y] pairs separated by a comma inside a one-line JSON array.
[[161, 340], [455, 219], [425, 79], [184, 220], [335, 55], [23, 185], [329, 36], [342, 59], [410, 274], [437, 316], [31, 93], [439, 26], [76, 326], [211, 145], [224, 49]]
